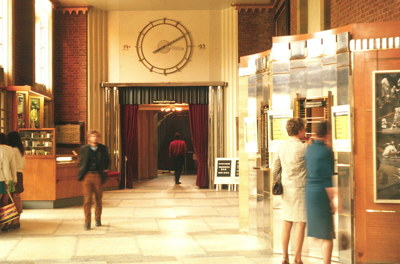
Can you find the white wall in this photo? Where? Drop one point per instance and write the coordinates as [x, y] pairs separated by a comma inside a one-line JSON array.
[[124, 28]]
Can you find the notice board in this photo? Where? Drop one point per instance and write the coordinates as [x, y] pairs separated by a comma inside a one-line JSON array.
[[69, 134], [226, 170]]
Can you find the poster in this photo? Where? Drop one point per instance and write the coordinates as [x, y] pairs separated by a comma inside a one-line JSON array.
[[341, 128], [277, 127], [387, 136]]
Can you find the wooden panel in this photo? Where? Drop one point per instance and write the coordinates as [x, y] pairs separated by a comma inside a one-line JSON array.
[[147, 145], [385, 228], [67, 184], [371, 227], [39, 179]]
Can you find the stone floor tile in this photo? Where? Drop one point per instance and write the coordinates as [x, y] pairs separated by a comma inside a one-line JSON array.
[[133, 225], [137, 203], [219, 260], [196, 211], [222, 222], [44, 248], [6, 245], [237, 242], [37, 227], [190, 195], [209, 202], [169, 245], [228, 211], [173, 202], [105, 246], [155, 213], [183, 226]]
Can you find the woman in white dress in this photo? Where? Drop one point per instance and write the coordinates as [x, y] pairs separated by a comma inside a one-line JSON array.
[[14, 141], [8, 174], [289, 162]]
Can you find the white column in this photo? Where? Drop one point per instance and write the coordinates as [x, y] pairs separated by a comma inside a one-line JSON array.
[[97, 68], [230, 74]]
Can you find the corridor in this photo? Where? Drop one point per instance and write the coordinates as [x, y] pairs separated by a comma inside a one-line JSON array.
[[157, 222]]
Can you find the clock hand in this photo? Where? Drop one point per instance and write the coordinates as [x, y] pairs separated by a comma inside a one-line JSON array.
[[170, 43], [176, 48]]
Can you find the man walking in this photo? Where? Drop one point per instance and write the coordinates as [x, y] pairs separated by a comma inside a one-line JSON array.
[[93, 167], [177, 151]]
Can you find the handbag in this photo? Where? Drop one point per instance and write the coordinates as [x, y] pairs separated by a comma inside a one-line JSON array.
[[277, 188], [8, 212]]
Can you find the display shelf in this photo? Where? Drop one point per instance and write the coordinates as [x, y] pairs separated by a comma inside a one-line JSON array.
[[38, 142]]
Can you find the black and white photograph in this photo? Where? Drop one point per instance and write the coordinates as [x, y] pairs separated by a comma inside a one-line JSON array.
[[387, 136]]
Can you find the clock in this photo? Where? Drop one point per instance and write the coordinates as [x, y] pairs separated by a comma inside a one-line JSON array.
[[164, 46]]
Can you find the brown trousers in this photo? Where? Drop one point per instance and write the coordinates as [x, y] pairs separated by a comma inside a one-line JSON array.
[[91, 184]]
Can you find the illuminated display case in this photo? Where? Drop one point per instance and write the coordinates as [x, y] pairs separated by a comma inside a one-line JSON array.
[[38, 142]]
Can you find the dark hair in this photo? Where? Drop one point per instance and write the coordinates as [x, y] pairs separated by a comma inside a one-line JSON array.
[[294, 126], [177, 135], [321, 129], [3, 139], [14, 140]]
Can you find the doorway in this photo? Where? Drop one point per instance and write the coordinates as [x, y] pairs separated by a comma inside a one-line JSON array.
[[206, 118], [168, 123]]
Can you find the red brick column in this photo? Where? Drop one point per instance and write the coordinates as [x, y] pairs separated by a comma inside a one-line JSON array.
[[70, 67]]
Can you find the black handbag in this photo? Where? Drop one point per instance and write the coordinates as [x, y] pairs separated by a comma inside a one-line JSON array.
[[277, 188]]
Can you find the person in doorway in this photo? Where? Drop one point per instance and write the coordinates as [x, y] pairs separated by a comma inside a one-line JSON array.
[[289, 162], [177, 152], [320, 198], [14, 141], [93, 167]]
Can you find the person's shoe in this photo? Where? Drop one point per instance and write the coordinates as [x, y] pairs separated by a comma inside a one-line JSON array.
[[6, 228], [16, 225], [177, 182], [98, 222], [285, 261], [87, 226]]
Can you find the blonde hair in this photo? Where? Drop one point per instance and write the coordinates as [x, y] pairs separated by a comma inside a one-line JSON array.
[[92, 132]]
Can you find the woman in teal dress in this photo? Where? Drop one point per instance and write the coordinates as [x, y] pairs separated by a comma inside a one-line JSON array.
[[319, 162]]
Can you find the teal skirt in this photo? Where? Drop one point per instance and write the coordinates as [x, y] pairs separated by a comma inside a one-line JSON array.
[[3, 188]]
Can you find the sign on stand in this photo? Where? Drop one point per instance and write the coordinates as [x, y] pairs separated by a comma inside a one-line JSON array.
[[226, 171]]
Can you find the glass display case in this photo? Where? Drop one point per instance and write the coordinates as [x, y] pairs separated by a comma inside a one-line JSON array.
[[38, 142]]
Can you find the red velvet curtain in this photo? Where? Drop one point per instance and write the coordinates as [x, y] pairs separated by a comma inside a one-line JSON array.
[[198, 118], [130, 142]]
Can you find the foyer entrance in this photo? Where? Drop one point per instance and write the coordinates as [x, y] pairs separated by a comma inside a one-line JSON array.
[[132, 131]]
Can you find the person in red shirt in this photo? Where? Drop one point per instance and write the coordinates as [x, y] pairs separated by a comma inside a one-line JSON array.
[[177, 151]]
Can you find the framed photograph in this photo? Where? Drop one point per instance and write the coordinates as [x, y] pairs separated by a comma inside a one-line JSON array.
[[21, 109], [386, 117], [35, 112]]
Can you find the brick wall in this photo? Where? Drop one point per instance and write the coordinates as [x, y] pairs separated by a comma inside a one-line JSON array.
[[23, 42], [344, 12], [70, 67], [256, 29]]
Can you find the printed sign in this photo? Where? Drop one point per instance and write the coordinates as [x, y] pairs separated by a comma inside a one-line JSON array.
[[277, 127], [226, 171], [341, 139]]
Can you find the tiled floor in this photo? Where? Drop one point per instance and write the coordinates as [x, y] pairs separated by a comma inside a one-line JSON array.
[[157, 222]]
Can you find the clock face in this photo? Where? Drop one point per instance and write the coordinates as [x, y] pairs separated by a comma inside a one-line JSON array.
[[164, 46]]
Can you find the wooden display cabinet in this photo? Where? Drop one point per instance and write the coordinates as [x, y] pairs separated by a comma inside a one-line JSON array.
[[38, 142], [47, 182]]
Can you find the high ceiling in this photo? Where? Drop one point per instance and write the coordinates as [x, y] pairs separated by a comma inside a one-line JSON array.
[[126, 5]]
